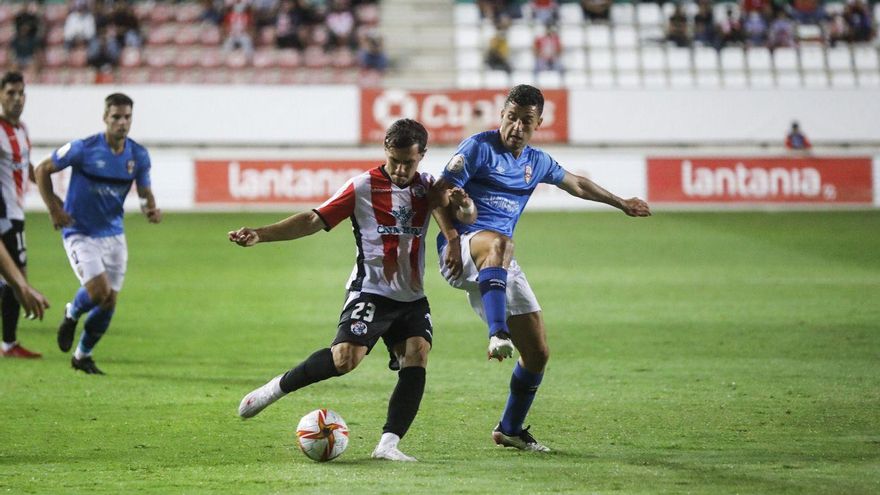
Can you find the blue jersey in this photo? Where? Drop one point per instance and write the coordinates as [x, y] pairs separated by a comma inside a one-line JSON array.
[[499, 184], [99, 182]]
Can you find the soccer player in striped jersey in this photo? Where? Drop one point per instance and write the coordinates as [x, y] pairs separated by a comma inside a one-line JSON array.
[[103, 168], [499, 170], [15, 171], [389, 209]]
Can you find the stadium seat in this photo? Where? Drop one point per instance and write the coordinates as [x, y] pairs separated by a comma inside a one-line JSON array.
[[625, 37], [815, 80], [627, 60], [266, 58], [368, 14], [314, 57], [683, 80], [571, 14], [601, 79], [496, 79], [843, 80], [189, 76], [788, 79], [520, 36], [705, 59], [187, 58], [188, 34], [55, 35], [266, 77], [55, 56], [598, 36], [7, 32], [649, 14], [549, 79], [54, 13], [469, 79], [466, 13], [758, 59], [77, 57], [708, 79], [812, 58], [622, 14], [523, 77], [159, 57], [575, 79], [734, 79], [655, 80], [808, 33], [628, 79], [523, 60], [761, 79], [130, 57], [785, 60], [571, 36], [210, 35], [679, 59], [467, 36], [162, 34], [720, 10], [288, 58], [574, 59], [653, 58], [839, 59], [139, 75], [211, 57], [865, 58], [869, 80], [468, 59], [733, 59], [187, 12], [161, 13], [600, 60]]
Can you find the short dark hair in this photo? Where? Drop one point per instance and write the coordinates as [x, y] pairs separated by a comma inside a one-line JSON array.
[[11, 77], [524, 95], [117, 99], [404, 133]]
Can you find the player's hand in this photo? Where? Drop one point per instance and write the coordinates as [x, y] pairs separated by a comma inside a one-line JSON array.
[[244, 237], [636, 207], [154, 215], [452, 265], [32, 301], [60, 218], [457, 196]]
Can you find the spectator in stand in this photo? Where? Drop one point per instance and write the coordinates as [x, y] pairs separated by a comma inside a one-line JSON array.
[[498, 53], [796, 140], [239, 27], [730, 29], [755, 27], [837, 29], [29, 38], [548, 50], [704, 24], [212, 12], [858, 20], [288, 27], [340, 21], [495, 10], [780, 34], [265, 13], [545, 11], [79, 26], [371, 56], [104, 50], [128, 28], [597, 10], [808, 11], [749, 6], [677, 28]]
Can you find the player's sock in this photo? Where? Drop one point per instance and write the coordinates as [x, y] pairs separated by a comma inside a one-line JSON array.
[[96, 324], [493, 291], [319, 366], [405, 400], [7, 346], [10, 309], [523, 386], [81, 304]]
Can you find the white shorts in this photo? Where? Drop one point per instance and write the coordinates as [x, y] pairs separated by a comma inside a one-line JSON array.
[[520, 298], [92, 256]]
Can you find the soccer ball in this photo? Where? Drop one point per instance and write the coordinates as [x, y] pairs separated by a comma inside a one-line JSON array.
[[322, 435]]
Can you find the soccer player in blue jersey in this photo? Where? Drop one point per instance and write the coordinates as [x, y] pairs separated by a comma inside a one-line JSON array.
[[499, 171], [103, 167]]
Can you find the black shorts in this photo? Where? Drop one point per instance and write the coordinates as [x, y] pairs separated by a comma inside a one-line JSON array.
[[13, 239], [367, 317]]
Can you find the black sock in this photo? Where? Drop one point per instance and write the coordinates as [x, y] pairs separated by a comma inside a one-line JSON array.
[[404, 402], [10, 308], [319, 366]]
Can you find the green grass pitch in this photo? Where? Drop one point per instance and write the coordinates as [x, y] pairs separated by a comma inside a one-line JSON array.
[[691, 353]]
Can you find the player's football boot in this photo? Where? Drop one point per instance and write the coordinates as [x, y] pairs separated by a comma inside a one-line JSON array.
[[500, 347], [392, 454], [17, 351], [261, 398], [86, 365], [523, 441], [66, 330]]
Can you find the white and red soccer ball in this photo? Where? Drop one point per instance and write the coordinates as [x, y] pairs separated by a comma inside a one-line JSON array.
[[322, 435]]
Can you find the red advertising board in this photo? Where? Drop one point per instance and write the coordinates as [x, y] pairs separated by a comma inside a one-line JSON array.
[[446, 113], [819, 180], [273, 181]]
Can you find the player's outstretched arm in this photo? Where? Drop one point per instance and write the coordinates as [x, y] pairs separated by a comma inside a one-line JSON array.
[[586, 189], [451, 201], [43, 175], [293, 227], [148, 205], [33, 302]]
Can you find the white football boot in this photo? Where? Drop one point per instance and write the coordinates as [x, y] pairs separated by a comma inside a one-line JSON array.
[[500, 348], [391, 454], [261, 398]]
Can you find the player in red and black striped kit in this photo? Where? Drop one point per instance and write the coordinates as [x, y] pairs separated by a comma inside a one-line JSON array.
[[389, 209]]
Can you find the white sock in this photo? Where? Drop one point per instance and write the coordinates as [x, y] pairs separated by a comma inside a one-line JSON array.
[[7, 346], [67, 312], [388, 441], [79, 354]]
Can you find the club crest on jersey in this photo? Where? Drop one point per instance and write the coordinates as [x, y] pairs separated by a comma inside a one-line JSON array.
[[527, 175], [418, 190], [129, 165], [359, 328], [403, 215], [456, 164]]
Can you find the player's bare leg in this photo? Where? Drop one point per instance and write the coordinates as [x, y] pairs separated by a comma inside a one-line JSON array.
[[406, 398], [530, 337], [321, 365], [492, 253]]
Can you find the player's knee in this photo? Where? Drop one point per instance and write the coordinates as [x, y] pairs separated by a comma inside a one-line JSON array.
[[109, 302], [346, 357], [536, 359], [101, 294], [416, 353]]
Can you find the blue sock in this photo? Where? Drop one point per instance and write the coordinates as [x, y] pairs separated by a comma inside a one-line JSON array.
[[493, 291], [523, 386], [82, 303], [96, 324]]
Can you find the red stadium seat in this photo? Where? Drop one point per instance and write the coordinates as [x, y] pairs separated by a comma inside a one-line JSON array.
[[288, 58], [4, 57], [139, 75], [81, 76], [55, 35], [265, 58], [187, 58], [162, 34], [161, 13], [187, 12], [367, 13], [7, 12], [235, 59], [190, 76], [130, 57], [188, 35], [210, 58], [77, 57], [267, 76], [56, 56], [55, 13], [51, 75], [315, 57], [159, 57], [7, 32], [217, 76], [343, 58], [210, 35]]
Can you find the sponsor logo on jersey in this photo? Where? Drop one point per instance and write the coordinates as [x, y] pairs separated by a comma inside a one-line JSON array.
[[418, 191], [527, 175], [63, 150], [393, 230], [129, 165], [101, 163], [456, 164], [359, 328]]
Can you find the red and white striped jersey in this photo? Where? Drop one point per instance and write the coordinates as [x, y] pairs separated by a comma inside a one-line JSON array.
[[389, 225], [15, 156]]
